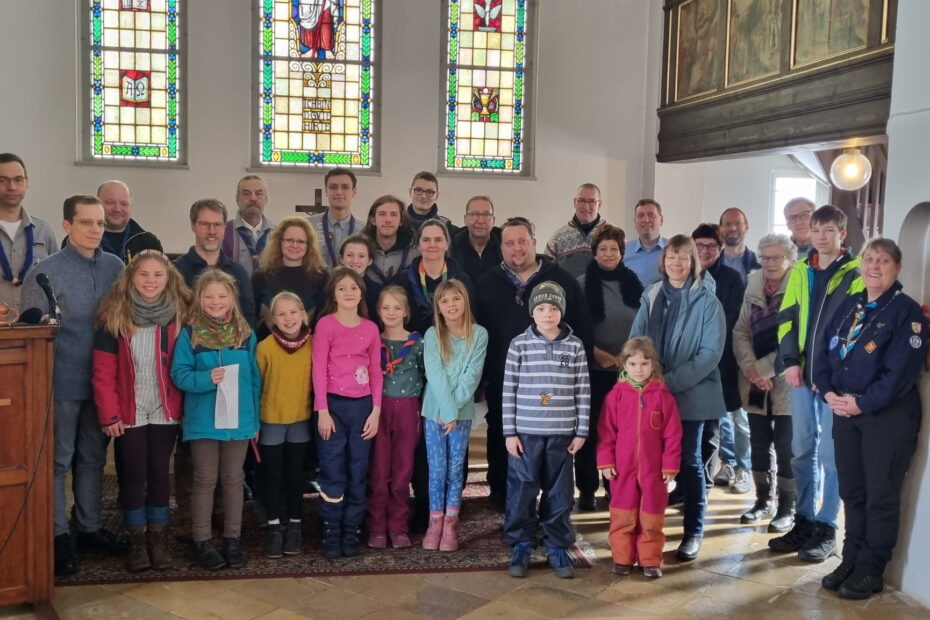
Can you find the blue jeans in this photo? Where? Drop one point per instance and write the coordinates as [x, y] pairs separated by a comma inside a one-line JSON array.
[[735, 450], [813, 459], [81, 445], [446, 457], [692, 479]]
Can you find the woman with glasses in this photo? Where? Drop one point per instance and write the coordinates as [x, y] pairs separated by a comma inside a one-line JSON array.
[[765, 395], [291, 262]]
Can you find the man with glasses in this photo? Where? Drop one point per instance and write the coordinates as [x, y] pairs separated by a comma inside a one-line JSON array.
[[424, 192], [642, 253], [734, 224], [570, 245], [337, 223], [24, 239], [502, 307], [247, 234], [798, 218], [477, 248]]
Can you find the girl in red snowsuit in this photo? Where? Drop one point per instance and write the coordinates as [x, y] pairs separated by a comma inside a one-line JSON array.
[[639, 451]]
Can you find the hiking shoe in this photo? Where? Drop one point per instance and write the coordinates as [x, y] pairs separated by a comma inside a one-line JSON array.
[[208, 557], [797, 536], [520, 560], [65, 562], [587, 502], [821, 545], [725, 476], [861, 586], [622, 569], [274, 541], [293, 539], [232, 551], [652, 572], [742, 482], [561, 563], [834, 580]]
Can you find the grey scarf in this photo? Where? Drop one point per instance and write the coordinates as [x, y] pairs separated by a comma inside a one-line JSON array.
[[160, 312]]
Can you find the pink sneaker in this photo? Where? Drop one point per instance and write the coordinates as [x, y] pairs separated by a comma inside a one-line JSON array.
[[450, 536], [433, 532], [377, 541], [400, 540]]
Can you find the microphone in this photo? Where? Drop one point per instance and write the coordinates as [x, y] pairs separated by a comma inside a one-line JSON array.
[[54, 311], [32, 316]]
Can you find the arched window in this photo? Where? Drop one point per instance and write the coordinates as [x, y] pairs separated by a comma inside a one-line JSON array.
[[133, 73], [316, 70], [485, 124]]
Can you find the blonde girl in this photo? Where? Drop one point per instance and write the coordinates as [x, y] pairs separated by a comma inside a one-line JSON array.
[[347, 384], [393, 450], [283, 359], [137, 403], [217, 341], [453, 350]]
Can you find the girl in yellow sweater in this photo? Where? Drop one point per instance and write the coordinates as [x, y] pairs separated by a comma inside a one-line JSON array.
[[283, 360]]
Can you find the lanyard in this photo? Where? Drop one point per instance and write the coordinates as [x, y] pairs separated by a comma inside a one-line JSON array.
[[328, 237], [27, 263], [385, 278], [421, 293], [520, 286], [247, 239]]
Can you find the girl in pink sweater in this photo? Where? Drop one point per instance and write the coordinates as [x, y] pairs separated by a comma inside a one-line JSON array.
[[347, 383]]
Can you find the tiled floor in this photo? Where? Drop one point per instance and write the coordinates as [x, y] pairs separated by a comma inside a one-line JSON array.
[[735, 577]]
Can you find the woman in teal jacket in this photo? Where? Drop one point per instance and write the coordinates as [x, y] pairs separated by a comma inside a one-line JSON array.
[[217, 341], [685, 320]]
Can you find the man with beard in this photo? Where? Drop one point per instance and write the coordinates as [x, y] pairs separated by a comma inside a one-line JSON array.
[[245, 236]]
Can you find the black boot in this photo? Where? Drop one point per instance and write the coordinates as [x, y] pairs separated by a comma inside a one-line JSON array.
[[764, 507], [274, 541], [861, 586], [331, 547], [787, 497], [232, 551], [796, 538], [821, 545], [207, 556], [65, 563], [834, 580], [351, 546]]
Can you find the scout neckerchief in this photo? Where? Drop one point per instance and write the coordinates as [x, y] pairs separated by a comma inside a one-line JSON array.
[[27, 263], [389, 364], [521, 286], [328, 236], [421, 293], [120, 252], [291, 345], [390, 274], [859, 315], [255, 249]]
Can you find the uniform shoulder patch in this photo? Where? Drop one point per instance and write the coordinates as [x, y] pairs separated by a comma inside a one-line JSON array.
[[870, 346], [915, 327], [916, 342]]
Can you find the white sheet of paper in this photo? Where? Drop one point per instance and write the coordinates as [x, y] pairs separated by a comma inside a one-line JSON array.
[[226, 414]]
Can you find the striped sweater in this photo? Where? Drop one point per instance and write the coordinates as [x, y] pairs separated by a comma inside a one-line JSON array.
[[546, 386]]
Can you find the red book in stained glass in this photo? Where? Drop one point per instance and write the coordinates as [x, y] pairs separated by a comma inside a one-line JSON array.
[[134, 88]]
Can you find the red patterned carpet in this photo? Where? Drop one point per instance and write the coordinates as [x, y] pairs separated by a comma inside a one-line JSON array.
[[482, 548]]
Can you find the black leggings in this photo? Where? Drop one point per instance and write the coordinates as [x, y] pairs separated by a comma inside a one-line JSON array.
[[770, 442], [283, 463]]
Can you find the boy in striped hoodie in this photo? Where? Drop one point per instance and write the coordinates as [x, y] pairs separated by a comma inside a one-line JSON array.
[[546, 400]]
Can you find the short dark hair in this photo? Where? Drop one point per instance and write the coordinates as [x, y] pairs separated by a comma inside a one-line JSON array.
[[828, 214], [69, 210], [6, 158], [708, 231], [426, 176], [208, 203], [609, 232], [433, 221], [647, 201], [336, 172], [519, 220], [738, 210], [480, 197], [358, 239]]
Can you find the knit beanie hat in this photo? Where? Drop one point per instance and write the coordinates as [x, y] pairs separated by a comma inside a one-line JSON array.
[[548, 292]]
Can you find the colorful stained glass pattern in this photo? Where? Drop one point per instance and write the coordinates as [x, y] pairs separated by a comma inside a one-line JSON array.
[[486, 94], [134, 80], [316, 82]]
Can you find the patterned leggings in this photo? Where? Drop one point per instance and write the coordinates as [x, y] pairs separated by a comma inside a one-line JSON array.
[[446, 456]]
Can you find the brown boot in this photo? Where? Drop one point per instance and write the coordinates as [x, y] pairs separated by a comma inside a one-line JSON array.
[[158, 547], [138, 555]]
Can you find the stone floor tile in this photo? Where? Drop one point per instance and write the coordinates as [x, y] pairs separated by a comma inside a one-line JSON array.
[[545, 600], [172, 596], [441, 603], [227, 605]]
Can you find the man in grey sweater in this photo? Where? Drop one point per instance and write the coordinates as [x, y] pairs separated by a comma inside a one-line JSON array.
[[80, 275]]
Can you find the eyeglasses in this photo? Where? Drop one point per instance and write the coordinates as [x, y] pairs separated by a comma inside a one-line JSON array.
[[429, 193], [15, 181], [798, 217], [706, 246], [211, 225], [292, 241], [486, 215], [586, 201], [771, 259]]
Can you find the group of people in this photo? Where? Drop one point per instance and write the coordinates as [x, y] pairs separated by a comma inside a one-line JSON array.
[[359, 348]]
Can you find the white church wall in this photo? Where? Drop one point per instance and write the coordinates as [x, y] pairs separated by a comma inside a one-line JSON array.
[[589, 121]]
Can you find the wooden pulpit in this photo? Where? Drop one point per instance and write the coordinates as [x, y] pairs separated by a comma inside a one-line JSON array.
[[27, 422]]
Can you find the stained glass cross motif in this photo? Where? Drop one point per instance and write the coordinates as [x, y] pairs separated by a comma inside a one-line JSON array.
[[485, 121], [134, 81], [316, 82]]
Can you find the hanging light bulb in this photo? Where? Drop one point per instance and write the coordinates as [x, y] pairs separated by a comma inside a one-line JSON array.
[[851, 170]]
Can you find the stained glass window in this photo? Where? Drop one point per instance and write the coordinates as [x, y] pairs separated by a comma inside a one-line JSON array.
[[134, 79], [316, 83], [485, 116]]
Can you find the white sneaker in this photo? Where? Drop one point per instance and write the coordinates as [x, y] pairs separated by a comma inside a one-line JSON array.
[[742, 482], [725, 476]]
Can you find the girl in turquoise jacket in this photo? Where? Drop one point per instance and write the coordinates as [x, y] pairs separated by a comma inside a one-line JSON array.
[[217, 342]]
